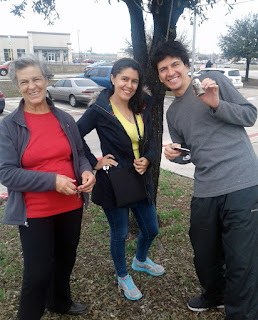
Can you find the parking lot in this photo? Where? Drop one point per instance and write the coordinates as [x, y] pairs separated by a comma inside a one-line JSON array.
[[251, 94]]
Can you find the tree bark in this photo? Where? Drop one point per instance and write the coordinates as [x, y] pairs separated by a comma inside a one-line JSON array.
[[163, 26], [247, 69], [164, 29]]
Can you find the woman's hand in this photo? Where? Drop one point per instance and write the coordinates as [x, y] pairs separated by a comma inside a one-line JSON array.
[[107, 160], [170, 153], [141, 165], [65, 185], [88, 181]]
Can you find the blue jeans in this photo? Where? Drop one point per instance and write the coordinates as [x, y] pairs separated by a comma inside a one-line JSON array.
[[118, 218]]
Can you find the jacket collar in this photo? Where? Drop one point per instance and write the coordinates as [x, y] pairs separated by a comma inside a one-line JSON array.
[[104, 102], [18, 114]]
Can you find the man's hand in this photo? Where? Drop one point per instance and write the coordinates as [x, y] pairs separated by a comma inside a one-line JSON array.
[[88, 181], [170, 153], [211, 96], [141, 165], [107, 160], [65, 185]]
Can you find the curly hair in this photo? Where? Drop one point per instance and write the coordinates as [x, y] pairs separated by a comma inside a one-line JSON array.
[[26, 61], [169, 49]]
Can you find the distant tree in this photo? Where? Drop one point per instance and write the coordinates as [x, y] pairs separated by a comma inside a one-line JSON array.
[[241, 40], [165, 15]]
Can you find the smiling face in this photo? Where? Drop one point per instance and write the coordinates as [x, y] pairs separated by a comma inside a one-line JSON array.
[[174, 74], [32, 86], [125, 84]]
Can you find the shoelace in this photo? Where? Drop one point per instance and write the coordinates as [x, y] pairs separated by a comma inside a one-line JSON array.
[[150, 262], [129, 283]]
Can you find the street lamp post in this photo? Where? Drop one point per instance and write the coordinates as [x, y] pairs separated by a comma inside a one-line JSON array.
[[79, 45], [193, 44]]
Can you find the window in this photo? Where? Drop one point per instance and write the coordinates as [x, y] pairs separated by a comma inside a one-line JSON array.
[[7, 54], [51, 55], [65, 55], [103, 72], [234, 73], [94, 73], [67, 83], [84, 83], [20, 52], [59, 83]]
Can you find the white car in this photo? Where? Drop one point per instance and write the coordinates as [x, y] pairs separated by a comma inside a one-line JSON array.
[[232, 74], [74, 90]]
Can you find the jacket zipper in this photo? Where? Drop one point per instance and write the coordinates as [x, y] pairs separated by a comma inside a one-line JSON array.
[[26, 224]]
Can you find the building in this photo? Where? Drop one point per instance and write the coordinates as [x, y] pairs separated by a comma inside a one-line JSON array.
[[53, 47]]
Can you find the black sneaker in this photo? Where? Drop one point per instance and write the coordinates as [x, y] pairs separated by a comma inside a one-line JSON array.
[[200, 304]]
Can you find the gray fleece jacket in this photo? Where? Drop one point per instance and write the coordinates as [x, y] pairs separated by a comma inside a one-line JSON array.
[[220, 148], [14, 137]]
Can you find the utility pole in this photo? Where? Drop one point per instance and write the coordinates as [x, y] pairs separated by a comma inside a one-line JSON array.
[[79, 45], [193, 44]]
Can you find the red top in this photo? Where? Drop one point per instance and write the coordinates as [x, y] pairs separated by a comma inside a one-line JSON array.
[[48, 150]]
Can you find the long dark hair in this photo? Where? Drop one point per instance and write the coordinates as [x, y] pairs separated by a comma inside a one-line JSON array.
[[136, 102]]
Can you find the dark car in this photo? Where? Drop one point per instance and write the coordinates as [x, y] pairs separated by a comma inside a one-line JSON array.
[[74, 90], [100, 75], [4, 68], [2, 102]]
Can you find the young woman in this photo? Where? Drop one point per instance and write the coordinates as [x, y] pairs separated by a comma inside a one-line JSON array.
[[112, 115], [43, 165]]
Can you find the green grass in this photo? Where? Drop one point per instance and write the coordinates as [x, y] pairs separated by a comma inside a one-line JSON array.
[[1, 294], [93, 279]]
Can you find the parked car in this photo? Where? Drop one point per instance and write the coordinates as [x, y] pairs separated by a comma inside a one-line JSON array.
[[93, 65], [4, 68], [232, 74], [97, 64], [2, 102], [73, 90], [100, 75]]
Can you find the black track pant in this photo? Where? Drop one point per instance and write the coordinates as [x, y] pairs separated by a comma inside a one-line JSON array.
[[224, 236], [49, 249]]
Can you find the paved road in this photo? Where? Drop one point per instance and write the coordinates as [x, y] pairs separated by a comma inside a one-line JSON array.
[[186, 170]]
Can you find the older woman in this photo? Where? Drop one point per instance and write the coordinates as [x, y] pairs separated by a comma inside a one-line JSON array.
[[43, 165]]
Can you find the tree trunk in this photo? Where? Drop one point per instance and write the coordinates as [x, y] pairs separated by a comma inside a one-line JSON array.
[[164, 27], [139, 44], [247, 69]]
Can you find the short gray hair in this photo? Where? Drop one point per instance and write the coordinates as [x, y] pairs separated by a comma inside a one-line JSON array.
[[26, 61]]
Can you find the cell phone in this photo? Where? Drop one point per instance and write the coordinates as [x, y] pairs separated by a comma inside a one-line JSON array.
[[184, 151]]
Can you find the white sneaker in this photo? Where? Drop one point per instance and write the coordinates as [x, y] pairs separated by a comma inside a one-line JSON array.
[[130, 290], [148, 266]]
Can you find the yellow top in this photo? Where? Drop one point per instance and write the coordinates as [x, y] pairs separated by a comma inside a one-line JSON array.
[[131, 129]]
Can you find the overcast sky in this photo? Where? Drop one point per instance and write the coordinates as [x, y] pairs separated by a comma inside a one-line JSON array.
[[105, 28]]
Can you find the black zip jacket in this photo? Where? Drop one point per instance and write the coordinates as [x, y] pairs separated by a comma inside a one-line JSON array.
[[114, 140]]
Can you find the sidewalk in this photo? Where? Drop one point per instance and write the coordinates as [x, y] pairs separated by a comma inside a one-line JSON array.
[[186, 170]]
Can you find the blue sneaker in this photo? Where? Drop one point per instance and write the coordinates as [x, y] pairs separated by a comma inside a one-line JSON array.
[[130, 290], [148, 266]]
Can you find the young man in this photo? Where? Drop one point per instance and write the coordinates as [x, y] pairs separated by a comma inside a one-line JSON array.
[[224, 207]]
